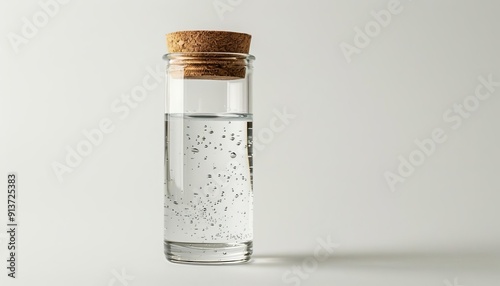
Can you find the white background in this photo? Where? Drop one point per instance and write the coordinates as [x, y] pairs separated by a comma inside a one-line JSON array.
[[321, 176]]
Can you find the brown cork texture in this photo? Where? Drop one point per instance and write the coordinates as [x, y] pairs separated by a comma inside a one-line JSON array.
[[210, 67]]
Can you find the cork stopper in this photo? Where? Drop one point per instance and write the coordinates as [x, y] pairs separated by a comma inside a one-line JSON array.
[[203, 43], [208, 41]]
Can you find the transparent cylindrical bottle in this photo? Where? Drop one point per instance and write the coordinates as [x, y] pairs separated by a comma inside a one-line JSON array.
[[208, 157]]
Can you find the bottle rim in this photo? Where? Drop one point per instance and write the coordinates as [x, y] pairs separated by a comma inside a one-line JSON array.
[[208, 56]]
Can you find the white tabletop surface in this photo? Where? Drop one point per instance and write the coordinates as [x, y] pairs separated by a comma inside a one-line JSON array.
[[389, 146]]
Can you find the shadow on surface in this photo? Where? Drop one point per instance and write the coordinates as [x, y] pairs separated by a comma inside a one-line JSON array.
[[388, 260]]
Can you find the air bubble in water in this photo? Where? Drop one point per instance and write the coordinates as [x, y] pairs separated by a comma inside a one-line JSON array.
[[233, 155]]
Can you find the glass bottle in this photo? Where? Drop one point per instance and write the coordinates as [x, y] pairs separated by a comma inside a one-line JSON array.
[[208, 199]]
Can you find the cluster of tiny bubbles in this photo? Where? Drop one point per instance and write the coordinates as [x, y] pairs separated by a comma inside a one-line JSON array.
[[216, 164]]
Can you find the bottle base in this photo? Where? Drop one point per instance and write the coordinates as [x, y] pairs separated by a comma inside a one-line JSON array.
[[208, 253]]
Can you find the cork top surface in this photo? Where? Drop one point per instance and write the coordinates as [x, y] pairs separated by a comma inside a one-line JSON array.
[[208, 41]]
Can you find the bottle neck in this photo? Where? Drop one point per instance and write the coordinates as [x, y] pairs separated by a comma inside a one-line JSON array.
[[212, 66]]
